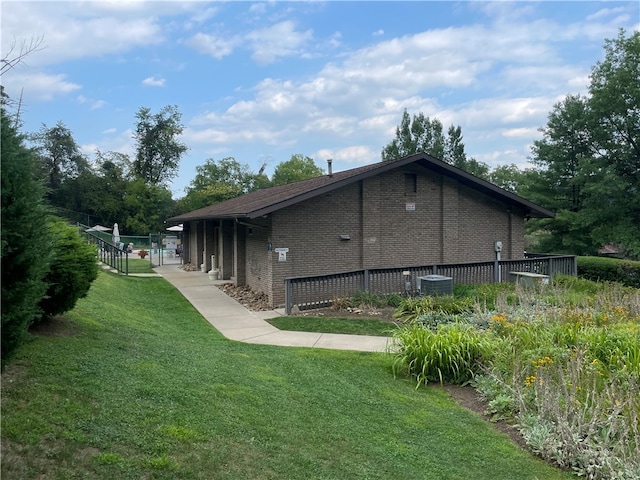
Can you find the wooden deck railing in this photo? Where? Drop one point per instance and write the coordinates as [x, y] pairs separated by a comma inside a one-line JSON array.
[[321, 290]]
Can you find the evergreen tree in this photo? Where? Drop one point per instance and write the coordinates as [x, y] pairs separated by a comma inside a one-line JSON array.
[[26, 247]]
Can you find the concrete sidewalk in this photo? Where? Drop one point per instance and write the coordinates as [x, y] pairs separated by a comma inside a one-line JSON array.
[[236, 322]]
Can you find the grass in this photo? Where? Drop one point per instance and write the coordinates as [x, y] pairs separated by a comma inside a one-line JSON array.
[[133, 383], [138, 265], [352, 326]]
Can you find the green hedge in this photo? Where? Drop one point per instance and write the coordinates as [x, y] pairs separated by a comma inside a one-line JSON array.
[[626, 272], [72, 269]]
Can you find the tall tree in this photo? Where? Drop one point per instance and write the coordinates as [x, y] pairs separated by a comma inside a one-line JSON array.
[[421, 134], [589, 158], [564, 152], [613, 201], [60, 158], [25, 247], [158, 149], [297, 168]]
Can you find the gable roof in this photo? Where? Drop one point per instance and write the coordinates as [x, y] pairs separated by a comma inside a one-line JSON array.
[[268, 200]]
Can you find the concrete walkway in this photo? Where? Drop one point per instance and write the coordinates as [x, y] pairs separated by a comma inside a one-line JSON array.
[[236, 322]]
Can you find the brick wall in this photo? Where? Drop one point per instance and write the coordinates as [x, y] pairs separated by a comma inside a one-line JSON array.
[[388, 226], [258, 258]]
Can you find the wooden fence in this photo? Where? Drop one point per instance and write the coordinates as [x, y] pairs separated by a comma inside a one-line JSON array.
[[319, 291]]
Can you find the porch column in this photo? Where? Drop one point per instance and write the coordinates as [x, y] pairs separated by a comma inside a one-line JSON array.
[[239, 252], [226, 249], [199, 243], [209, 243]]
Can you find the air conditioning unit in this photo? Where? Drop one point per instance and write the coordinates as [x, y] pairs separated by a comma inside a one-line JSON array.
[[435, 285]]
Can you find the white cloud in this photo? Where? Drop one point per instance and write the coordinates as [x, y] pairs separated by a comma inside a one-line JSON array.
[[93, 104], [154, 82], [212, 45], [279, 40], [527, 133], [37, 86], [72, 30], [356, 154]]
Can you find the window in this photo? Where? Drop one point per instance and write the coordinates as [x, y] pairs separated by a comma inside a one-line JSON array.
[[410, 183]]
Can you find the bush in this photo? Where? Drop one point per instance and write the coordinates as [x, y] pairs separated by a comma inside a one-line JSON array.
[[626, 272], [24, 246], [72, 270], [452, 354], [411, 308]]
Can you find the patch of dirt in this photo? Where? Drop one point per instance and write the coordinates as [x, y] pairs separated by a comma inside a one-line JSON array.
[[58, 326], [385, 313], [468, 398]]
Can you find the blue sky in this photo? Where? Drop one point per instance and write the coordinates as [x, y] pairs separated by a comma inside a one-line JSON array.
[[261, 81]]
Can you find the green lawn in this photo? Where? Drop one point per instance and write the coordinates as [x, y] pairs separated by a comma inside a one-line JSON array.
[[351, 326], [139, 265], [134, 383]]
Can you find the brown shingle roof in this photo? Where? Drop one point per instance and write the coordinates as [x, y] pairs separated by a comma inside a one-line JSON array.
[[263, 202]]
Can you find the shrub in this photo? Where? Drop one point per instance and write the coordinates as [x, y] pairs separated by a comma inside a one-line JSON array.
[[411, 308], [72, 270], [25, 248], [579, 420], [626, 272], [452, 354]]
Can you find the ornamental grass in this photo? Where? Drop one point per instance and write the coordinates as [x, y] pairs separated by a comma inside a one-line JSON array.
[[562, 361]]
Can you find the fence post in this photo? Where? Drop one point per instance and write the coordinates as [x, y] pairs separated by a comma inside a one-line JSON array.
[[434, 269], [287, 296], [366, 280]]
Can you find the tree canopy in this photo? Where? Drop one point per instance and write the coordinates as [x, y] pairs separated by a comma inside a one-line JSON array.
[[219, 180], [59, 155], [589, 159], [421, 134], [297, 168], [158, 150]]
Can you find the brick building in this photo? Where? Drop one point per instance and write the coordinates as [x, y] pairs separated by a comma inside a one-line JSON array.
[[415, 210]]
